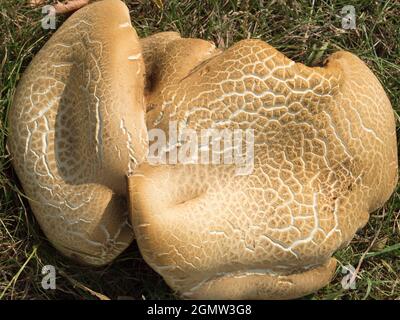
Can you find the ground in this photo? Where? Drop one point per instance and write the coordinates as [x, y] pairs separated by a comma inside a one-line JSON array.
[[306, 31]]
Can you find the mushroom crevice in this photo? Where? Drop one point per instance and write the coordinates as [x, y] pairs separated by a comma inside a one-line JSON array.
[[325, 155]]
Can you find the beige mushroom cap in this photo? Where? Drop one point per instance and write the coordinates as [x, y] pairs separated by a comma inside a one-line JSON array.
[[325, 157], [77, 128]]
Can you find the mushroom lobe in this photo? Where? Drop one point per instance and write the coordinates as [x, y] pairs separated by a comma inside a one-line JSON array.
[[325, 156], [77, 127]]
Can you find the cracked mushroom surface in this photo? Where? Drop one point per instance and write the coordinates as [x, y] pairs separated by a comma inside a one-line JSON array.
[[77, 127], [325, 155]]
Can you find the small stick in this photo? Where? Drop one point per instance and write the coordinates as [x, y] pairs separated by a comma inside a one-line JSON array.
[[62, 7]]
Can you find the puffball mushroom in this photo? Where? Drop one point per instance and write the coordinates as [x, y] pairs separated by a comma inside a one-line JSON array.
[[325, 156], [77, 128]]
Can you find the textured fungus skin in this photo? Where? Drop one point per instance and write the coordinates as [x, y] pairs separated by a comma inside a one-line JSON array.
[[325, 155], [77, 127]]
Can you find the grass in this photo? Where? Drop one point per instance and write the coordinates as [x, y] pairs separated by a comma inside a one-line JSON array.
[[305, 31]]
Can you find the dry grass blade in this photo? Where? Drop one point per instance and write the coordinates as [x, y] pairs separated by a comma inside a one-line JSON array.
[[16, 276], [83, 287]]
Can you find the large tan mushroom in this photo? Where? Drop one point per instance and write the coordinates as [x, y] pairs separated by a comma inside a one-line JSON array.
[[77, 128], [325, 156]]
